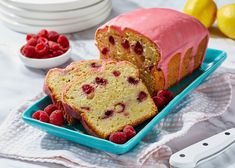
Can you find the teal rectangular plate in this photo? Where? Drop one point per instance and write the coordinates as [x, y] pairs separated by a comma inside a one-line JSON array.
[[213, 59]]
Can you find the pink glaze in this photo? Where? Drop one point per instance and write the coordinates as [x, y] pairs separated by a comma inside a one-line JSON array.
[[87, 128], [172, 31]]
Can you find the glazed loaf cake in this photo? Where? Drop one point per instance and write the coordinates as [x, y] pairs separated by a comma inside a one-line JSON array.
[[109, 99], [164, 44], [56, 80]]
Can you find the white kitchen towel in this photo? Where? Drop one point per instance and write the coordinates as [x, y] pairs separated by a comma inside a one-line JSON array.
[[21, 141]]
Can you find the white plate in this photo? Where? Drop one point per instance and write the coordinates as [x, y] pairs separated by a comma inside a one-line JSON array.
[[39, 22], [52, 5], [53, 15], [69, 28]]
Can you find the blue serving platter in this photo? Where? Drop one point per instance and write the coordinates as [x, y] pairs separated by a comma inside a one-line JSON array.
[[212, 61]]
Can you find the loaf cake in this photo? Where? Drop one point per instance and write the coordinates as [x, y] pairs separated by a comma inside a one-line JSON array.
[[57, 78], [164, 44], [109, 99]]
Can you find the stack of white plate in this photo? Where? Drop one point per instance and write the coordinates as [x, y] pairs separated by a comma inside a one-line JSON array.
[[63, 16]]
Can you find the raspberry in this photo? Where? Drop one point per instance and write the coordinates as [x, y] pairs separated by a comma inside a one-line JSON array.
[[111, 40], [53, 36], [43, 33], [32, 42], [138, 48], [57, 53], [63, 41], [129, 131], [85, 108], [108, 114], [95, 65], [132, 80], [57, 118], [119, 107], [44, 117], [88, 88], [42, 40], [126, 44], [118, 137], [36, 114], [116, 73], [47, 56], [166, 94], [50, 108], [29, 36], [160, 102], [53, 45], [142, 96], [101, 81], [42, 49], [29, 51], [105, 51]]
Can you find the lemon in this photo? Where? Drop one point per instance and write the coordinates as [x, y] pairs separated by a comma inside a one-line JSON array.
[[203, 10], [226, 20]]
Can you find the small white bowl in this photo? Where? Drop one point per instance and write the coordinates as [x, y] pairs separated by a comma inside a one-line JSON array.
[[45, 63]]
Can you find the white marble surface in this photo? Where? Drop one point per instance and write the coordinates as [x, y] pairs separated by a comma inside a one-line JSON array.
[[19, 83]]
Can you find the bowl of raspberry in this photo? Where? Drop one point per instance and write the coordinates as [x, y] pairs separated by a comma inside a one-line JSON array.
[[46, 49]]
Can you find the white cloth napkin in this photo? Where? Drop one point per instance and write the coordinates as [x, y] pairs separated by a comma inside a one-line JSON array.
[[21, 141]]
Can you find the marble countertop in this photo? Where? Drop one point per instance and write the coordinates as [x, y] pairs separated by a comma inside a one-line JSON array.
[[19, 83]]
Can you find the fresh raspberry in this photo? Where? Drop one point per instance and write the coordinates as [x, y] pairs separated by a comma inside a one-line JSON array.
[[166, 94], [105, 51], [50, 108], [142, 96], [42, 40], [53, 36], [63, 41], [111, 40], [126, 44], [129, 131], [119, 107], [53, 45], [44, 117], [47, 56], [43, 33], [32, 42], [36, 114], [29, 51], [88, 88], [57, 53], [64, 49], [160, 102], [95, 65], [42, 49], [132, 80], [116, 73], [101, 81], [29, 36], [138, 48], [57, 118], [118, 137]]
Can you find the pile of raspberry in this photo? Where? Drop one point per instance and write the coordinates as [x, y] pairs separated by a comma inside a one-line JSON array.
[[50, 114], [45, 44]]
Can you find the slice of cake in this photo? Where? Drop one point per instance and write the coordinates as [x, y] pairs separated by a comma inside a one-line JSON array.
[[109, 99], [56, 79], [164, 44]]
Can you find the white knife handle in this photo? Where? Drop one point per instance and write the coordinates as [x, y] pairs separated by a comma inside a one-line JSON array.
[[188, 157]]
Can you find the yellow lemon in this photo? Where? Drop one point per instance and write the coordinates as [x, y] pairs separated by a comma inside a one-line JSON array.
[[226, 20], [203, 10]]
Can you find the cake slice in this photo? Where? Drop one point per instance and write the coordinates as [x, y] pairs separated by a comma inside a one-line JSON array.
[[166, 45], [56, 79], [109, 99]]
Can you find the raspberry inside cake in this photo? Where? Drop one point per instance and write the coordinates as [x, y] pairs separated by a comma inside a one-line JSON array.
[[110, 99], [57, 79], [164, 44]]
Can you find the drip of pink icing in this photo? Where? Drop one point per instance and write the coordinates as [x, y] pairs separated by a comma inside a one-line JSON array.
[[172, 31]]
